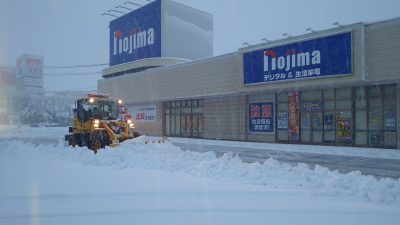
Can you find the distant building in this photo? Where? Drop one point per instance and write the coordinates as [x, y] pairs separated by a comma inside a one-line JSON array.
[[29, 80], [7, 90], [30, 74]]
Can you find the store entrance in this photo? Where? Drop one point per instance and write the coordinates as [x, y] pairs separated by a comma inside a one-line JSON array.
[[191, 125], [311, 127], [311, 117]]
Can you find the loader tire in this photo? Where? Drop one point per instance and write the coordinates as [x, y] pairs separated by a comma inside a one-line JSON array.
[[95, 142], [136, 134]]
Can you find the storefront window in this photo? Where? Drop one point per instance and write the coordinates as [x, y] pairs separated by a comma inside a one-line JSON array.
[[344, 116], [311, 107], [329, 125], [389, 116], [329, 94], [359, 116], [184, 118], [282, 117]]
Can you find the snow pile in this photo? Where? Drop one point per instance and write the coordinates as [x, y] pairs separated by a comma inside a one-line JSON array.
[[316, 149], [27, 132], [167, 157]]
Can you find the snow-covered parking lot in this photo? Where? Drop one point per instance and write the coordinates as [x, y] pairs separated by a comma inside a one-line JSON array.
[[138, 183]]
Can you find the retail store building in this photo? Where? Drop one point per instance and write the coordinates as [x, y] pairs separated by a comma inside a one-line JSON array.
[[334, 87]]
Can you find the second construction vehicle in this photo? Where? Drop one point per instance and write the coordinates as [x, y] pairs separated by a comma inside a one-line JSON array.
[[100, 121]]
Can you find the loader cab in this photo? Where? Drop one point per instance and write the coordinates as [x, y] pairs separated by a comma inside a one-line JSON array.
[[96, 108]]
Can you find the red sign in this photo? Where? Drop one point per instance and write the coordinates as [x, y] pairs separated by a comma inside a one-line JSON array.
[[7, 76], [255, 111], [293, 116]]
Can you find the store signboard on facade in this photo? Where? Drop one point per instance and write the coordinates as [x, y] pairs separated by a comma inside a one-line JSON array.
[[136, 35], [261, 117], [144, 113], [320, 57]]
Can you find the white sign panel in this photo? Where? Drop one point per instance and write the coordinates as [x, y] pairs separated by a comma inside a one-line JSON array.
[[144, 113]]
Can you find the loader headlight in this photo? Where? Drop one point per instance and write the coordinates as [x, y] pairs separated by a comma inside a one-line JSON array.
[[131, 125], [119, 101], [96, 123], [129, 121], [91, 100]]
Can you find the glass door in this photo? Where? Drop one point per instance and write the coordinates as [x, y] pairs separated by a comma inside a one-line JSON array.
[[311, 127]]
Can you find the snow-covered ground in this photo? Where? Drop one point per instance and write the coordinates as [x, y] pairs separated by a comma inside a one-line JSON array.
[[138, 183]]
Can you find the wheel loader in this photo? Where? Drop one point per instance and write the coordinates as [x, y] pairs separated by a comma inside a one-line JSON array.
[[100, 121]]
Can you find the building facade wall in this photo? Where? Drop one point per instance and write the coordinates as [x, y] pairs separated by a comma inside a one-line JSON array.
[[223, 118], [383, 51], [189, 28], [398, 116], [214, 76], [208, 98]]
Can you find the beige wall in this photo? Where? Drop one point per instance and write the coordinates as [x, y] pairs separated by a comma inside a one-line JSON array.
[[224, 118], [383, 51], [213, 76]]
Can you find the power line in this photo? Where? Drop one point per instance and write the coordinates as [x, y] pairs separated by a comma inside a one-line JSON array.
[[83, 89], [64, 67], [75, 66], [70, 74]]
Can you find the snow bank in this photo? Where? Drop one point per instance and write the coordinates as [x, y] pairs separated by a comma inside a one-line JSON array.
[[27, 132], [51, 134], [315, 149], [273, 174]]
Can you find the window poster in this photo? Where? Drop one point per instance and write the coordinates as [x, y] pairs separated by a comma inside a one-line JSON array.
[[293, 116], [282, 120], [344, 130], [328, 122], [261, 117]]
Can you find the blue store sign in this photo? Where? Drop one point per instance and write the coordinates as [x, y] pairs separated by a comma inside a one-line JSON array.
[[136, 35], [320, 57], [261, 117]]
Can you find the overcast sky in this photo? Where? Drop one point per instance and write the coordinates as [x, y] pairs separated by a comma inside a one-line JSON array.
[[72, 32]]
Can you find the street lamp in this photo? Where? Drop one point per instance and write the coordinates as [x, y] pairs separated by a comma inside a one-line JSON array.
[[123, 7], [266, 40], [286, 35], [310, 30], [108, 14], [113, 10], [337, 24], [132, 3]]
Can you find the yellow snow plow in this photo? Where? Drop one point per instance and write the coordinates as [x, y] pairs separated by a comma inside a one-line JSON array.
[[98, 122]]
